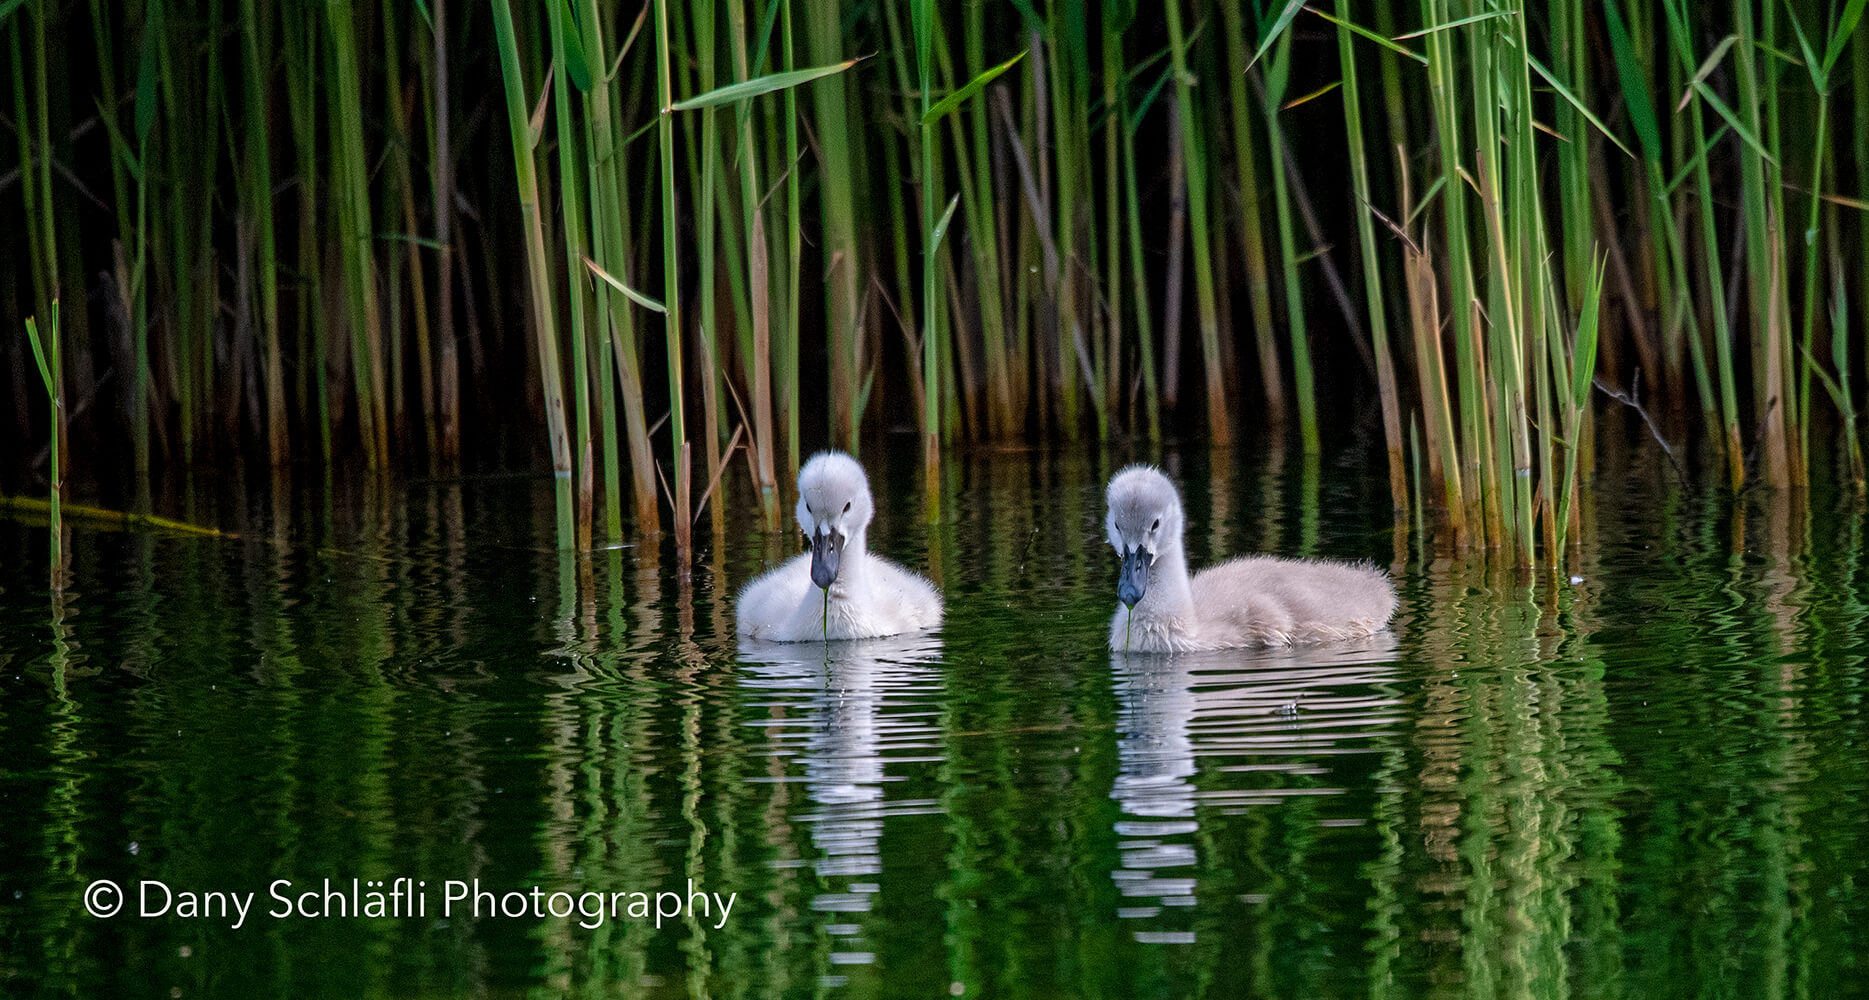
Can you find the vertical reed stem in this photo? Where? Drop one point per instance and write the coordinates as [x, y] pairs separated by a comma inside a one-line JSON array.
[[544, 327], [671, 291]]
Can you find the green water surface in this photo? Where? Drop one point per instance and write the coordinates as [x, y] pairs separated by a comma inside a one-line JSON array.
[[1645, 779]]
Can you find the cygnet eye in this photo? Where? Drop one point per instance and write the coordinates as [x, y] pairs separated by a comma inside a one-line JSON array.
[[1157, 525], [847, 506]]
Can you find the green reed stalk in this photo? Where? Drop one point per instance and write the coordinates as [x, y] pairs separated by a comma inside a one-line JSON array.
[[395, 167], [1549, 430], [1764, 266], [300, 33], [422, 86], [1138, 274], [921, 18], [1112, 218], [255, 37], [902, 203], [1859, 103], [180, 247], [901, 207], [1808, 340], [788, 396], [707, 225], [1681, 39], [609, 448], [835, 108], [671, 290], [572, 176], [1395, 105], [1019, 265], [758, 274], [46, 353], [1492, 457], [32, 127], [1431, 376], [1302, 378], [441, 155], [1372, 270], [538, 269], [1582, 369], [1570, 59], [122, 163], [104, 45], [1839, 387], [1680, 328], [1511, 441], [611, 248], [1535, 427], [1533, 285], [1772, 137], [1252, 227], [1112, 227], [1496, 335], [1039, 277], [1070, 171], [355, 230], [1467, 456], [735, 344], [219, 386], [1820, 69], [1219, 422], [139, 321], [976, 173], [135, 283], [962, 387], [960, 395]]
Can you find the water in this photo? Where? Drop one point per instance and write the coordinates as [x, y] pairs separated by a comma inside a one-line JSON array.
[[1648, 783]]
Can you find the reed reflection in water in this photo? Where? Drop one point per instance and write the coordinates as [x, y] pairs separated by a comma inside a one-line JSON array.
[[1646, 782]]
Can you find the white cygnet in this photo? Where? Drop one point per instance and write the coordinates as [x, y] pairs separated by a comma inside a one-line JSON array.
[[1248, 601], [838, 590]]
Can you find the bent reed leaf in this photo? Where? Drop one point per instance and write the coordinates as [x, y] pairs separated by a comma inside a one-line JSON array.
[[760, 85]]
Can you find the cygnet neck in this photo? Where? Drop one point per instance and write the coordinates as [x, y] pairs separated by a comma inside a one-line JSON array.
[[1169, 595], [852, 565]]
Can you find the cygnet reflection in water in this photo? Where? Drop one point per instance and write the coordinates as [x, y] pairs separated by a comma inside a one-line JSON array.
[[1277, 715], [846, 714]]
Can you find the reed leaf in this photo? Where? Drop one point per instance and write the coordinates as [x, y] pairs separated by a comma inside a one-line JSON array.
[[1706, 68], [577, 65], [1291, 9], [1459, 22], [1571, 99], [1840, 36], [940, 228], [757, 86], [1363, 32], [974, 86], [1725, 111], [1634, 87]]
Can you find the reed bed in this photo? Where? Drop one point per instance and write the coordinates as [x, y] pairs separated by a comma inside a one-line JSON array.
[[825, 222]]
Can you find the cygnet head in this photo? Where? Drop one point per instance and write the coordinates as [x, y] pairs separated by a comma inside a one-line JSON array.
[[1144, 521], [834, 506]]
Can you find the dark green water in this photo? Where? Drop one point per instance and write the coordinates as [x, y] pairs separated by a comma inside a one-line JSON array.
[[1649, 783]]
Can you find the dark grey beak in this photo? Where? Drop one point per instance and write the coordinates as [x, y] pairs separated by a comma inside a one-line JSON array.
[[1133, 581], [827, 550]]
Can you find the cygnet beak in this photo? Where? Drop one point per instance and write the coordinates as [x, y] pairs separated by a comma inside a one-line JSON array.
[[827, 550], [1133, 581]]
